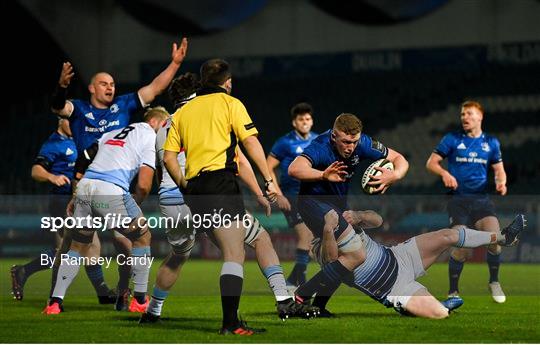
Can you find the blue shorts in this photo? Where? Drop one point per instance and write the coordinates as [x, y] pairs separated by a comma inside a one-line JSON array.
[[313, 211], [468, 209]]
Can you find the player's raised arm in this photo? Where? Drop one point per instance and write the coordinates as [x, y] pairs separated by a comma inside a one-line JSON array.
[[59, 103], [433, 165], [302, 170], [149, 92]]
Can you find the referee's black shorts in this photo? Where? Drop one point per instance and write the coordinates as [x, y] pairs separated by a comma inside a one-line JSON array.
[[214, 194]]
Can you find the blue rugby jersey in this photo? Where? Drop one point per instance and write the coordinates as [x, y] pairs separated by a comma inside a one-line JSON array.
[[469, 159], [89, 123], [58, 155], [286, 149], [321, 153]]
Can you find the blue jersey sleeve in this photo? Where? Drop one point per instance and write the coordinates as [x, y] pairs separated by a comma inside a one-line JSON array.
[[279, 150], [47, 156], [445, 146], [371, 148], [313, 154], [132, 101], [496, 155]]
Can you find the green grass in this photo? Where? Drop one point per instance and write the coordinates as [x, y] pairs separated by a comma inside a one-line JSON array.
[[192, 313]]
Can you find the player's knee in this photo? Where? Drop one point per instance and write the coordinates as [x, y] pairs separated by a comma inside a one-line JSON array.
[[137, 232], [174, 260], [449, 236]]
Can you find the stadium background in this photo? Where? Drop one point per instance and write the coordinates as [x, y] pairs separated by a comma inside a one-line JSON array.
[[403, 69]]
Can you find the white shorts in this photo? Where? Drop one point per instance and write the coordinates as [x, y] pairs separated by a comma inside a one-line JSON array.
[[98, 199], [410, 268], [177, 231]]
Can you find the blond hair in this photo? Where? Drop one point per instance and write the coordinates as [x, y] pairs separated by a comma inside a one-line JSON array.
[[156, 112]]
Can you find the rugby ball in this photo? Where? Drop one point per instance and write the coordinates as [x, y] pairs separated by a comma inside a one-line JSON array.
[[371, 171]]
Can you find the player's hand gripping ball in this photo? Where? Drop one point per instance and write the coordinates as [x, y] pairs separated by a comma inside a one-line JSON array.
[[371, 171]]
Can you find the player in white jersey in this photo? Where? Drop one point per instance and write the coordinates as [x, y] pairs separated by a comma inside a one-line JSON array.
[[182, 238], [388, 275], [102, 201]]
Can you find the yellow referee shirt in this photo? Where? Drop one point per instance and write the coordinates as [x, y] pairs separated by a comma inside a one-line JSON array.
[[208, 128]]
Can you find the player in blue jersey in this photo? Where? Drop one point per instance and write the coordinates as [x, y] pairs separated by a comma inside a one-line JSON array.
[[325, 168], [55, 164], [105, 112], [284, 151], [388, 275], [470, 153]]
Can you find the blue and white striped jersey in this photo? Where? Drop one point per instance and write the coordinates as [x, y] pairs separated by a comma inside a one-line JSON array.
[[122, 152]]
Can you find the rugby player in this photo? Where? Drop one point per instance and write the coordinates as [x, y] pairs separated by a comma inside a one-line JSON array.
[[105, 112], [470, 153], [388, 275], [104, 191], [283, 152], [325, 169], [55, 164]]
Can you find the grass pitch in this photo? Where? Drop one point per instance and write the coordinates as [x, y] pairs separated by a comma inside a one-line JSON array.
[[192, 313]]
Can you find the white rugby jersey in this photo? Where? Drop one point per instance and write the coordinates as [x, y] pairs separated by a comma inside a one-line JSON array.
[[169, 193], [122, 152]]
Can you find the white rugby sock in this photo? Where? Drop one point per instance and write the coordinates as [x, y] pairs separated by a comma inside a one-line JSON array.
[[156, 301], [276, 281], [469, 238], [140, 269], [65, 275]]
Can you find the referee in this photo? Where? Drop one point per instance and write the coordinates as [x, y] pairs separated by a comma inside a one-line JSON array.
[[209, 128]]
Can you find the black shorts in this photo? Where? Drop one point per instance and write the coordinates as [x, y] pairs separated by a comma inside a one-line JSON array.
[[293, 217], [57, 207], [58, 204], [467, 210], [214, 193]]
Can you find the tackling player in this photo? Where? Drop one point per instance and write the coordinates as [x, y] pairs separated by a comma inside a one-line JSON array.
[[104, 191], [325, 169], [470, 153], [284, 151], [389, 273]]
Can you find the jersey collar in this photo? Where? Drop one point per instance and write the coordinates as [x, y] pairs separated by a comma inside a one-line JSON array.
[[210, 89]]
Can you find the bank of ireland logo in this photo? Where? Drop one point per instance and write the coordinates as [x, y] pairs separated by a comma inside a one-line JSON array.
[[473, 154], [103, 122]]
